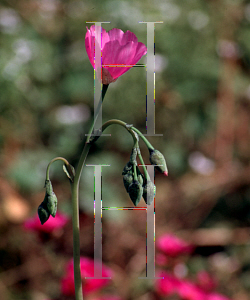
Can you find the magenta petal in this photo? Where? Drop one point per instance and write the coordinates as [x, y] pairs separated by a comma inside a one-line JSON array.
[[125, 57], [88, 47], [116, 34], [110, 53], [90, 42], [129, 37], [140, 51], [126, 54], [115, 54]]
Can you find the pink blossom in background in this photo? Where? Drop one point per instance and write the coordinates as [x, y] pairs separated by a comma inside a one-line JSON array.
[[216, 296], [167, 286], [184, 288], [108, 297], [161, 259], [206, 281], [118, 48], [190, 291], [87, 270], [51, 225], [173, 246]]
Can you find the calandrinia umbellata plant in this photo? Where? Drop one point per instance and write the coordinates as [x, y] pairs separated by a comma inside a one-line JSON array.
[[124, 50]]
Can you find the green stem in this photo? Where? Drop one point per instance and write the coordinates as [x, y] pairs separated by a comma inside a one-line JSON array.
[[75, 205], [104, 90], [121, 123], [76, 226], [51, 162], [143, 165], [150, 147]]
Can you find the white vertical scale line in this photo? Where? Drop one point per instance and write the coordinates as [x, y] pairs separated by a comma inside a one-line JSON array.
[[150, 233], [98, 222], [150, 89]]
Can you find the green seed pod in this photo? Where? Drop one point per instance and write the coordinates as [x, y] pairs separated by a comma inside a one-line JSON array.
[[149, 192], [135, 191], [127, 180], [156, 158], [43, 213]]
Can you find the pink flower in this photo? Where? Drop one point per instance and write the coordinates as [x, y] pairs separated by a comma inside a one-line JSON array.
[[87, 270], [51, 225], [216, 296], [168, 285], [118, 48], [161, 259], [189, 291], [172, 245], [206, 281], [171, 285]]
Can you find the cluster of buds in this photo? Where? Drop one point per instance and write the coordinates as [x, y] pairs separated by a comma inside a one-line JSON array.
[[133, 179], [49, 205], [138, 185]]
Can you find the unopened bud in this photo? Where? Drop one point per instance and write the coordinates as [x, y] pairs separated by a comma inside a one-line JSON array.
[[135, 191], [128, 168], [52, 204], [43, 213], [127, 180], [139, 175], [133, 156], [149, 192], [50, 198], [156, 158]]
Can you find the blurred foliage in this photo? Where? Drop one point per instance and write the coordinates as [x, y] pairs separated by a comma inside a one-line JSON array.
[[202, 60]]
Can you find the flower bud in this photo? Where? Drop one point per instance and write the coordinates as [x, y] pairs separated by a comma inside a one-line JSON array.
[[50, 198], [133, 156], [52, 204], [140, 179], [48, 187], [135, 191], [128, 168], [149, 192], [127, 180], [139, 175], [43, 213], [69, 171], [156, 158]]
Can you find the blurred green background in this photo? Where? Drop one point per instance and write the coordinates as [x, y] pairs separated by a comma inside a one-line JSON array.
[[202, 108]]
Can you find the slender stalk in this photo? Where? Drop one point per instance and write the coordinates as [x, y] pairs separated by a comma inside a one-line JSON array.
[[51, 162], [75, 205], [143, 165], [104, 90], [76, 226], [150, 147], [121, 123]]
